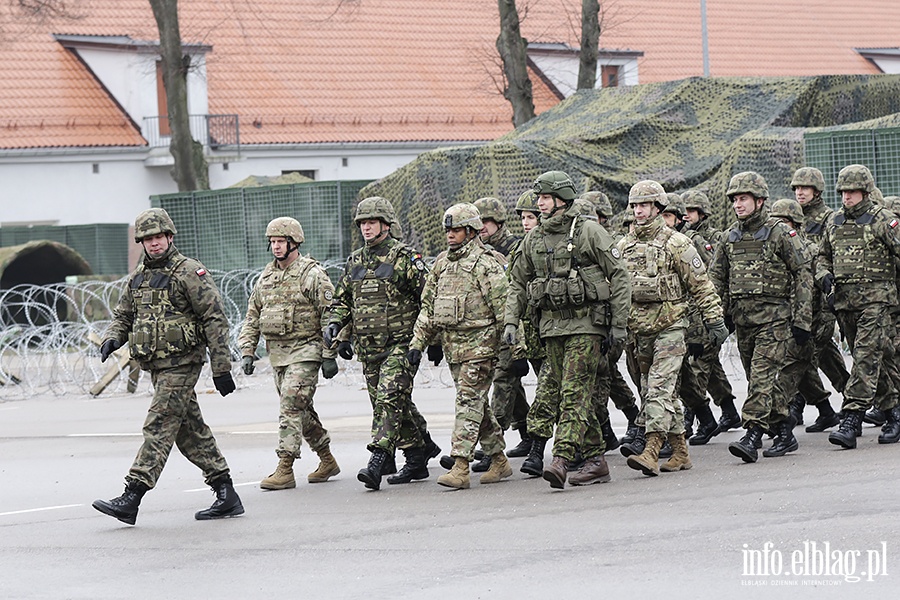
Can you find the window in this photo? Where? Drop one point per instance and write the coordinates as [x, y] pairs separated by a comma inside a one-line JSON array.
[[161, 102], [311, 173], [609, 75]]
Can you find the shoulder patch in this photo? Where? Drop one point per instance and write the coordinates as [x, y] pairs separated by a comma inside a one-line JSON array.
[[696, 262], [201, 272], [329, 295], [615, 252], [893, 223], [792, 233], [708, 247]]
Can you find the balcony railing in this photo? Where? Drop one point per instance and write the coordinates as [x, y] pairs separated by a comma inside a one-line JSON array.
[[213, 131]]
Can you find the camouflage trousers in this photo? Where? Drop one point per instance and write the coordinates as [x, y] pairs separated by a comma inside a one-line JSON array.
[[390, 382], [763, 349], [475, 421], [828, 356], [710, 376], [565, 396], [297, 418], [174, 418], [800, 374], [869, 333], [660, 358], [508, 399]]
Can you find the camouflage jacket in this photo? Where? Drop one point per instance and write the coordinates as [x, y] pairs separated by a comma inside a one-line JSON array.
[[287, 307], [529, 346], [816, 215], [380, 294], [561, 248], [502, 241], [463, 302], [712, 235], [666, 273], [696, 331], [859, 248], [171, 313], [766, 269]]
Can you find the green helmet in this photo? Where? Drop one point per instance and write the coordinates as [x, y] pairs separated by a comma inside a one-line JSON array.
[[601, 203], [855, 177], [152, 222], [286, 227], [877, 196], [648, 191], [375, 207], [555, 183], [808, 177], [491, 208], [585, 208], [788, 208], [748, 182], [527, 202], [463, 214], [696, 200], [674, 205]]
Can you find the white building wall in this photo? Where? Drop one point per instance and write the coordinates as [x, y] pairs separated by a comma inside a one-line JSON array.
[[888, 65], [562, 70]]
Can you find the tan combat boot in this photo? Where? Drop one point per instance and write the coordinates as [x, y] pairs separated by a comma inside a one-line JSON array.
[[500, 469], [327, 468], [282, 478], [458, 476], [648, 460], [680, 460]]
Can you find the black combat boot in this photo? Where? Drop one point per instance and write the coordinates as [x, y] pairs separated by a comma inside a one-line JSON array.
[[447, 462], [707, 429], [795, 408], [609, 436], [482, 465], [226, 504], [479, 454], [730, 418], [785, 441], [826, 420], [576, 463], [890, 431], [390, 465], [534, 464], [635, 446], [688, 422], [523, 447], [848, 430], [431, 449], [631, 413], [125, 507], [746, 447], [371, 475], [666, 451], [875, 416], [416, 467]]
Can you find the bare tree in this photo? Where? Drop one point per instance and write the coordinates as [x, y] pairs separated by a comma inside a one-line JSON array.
[[512, 48], [590, 44]]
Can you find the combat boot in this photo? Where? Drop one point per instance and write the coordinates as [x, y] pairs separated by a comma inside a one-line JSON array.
[[747, 447], [431, 449], [534, 464], [447, 462], [458, 477], [688, 422], [226, 504], [482, 465], [681, 460], [707, 429], [609, 436], [416, 467], [125, 507], [371, 475], [282, 478], [594, 470], [523, 447], [648, 461], [848, 430], [631, 413], [576, 462], [327, 468], [890, 431], [785, 442], [666, 450], [730, 418], [875, 416], [636, 446], [826, 420], [390, 465], [500, 469], [557, 472], [795, 408]]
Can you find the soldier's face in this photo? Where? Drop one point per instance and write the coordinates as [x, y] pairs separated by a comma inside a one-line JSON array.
[[851, 198], [488, 229], [745, 205], [279, 247], [156, 245], [547, 202], [529, 220], [804, 194], [670, 219], [692, 216], [644, 211], [456, 236], [371, 229]]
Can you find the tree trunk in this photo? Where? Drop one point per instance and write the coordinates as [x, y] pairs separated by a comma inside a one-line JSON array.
[[590, 44], [512, 49], [191, 171]]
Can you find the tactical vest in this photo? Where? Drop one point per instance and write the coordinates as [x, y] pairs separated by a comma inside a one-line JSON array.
[[651, 278], [756, 270], [458, 300], [160, 330], [858, 256], [380, 306], [287, 311]]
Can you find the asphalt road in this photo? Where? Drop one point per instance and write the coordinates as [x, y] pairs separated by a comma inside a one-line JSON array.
[[817, 519]]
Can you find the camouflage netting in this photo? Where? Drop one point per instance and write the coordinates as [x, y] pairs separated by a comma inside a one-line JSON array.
[[692, 133]]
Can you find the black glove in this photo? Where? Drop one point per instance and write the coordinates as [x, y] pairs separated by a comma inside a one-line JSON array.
[[330, 332], [435, 354], [729, 323], [414, 357], [695, 350], [828, 290], [345, 350], [107, 348], [224, 383], [329, 368], [801, 336], [247, 365], [520, 367]]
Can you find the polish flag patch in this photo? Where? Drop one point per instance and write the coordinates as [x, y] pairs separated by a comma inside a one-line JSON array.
[[792, 233], [708, 248], [201, 272], [893, 223]]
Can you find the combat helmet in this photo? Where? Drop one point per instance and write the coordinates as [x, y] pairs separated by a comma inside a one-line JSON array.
[[555, 183], [286, 227], [674, 205], [153, 221], [491, 208], [375, 207], [527, 202], [601, 203], [808, 177], [788, 208], [696, 200], [585, 208], [855, 177], [648, 191], [464, 214], [748, 182]]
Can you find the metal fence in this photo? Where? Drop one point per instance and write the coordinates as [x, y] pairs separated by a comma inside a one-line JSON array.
[[213, 131]]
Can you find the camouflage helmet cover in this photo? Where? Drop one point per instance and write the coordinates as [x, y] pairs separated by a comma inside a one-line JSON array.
[[808, 177], [674, 205], [464, 214], [648, 191], [375, 207], [152, 222], [555, 183], [527, 202], [855, 177], [877, 196], [748, 182], [585, 208], [286, 227], [491, 208], [601, 203], [697, 200], [788, 208]]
